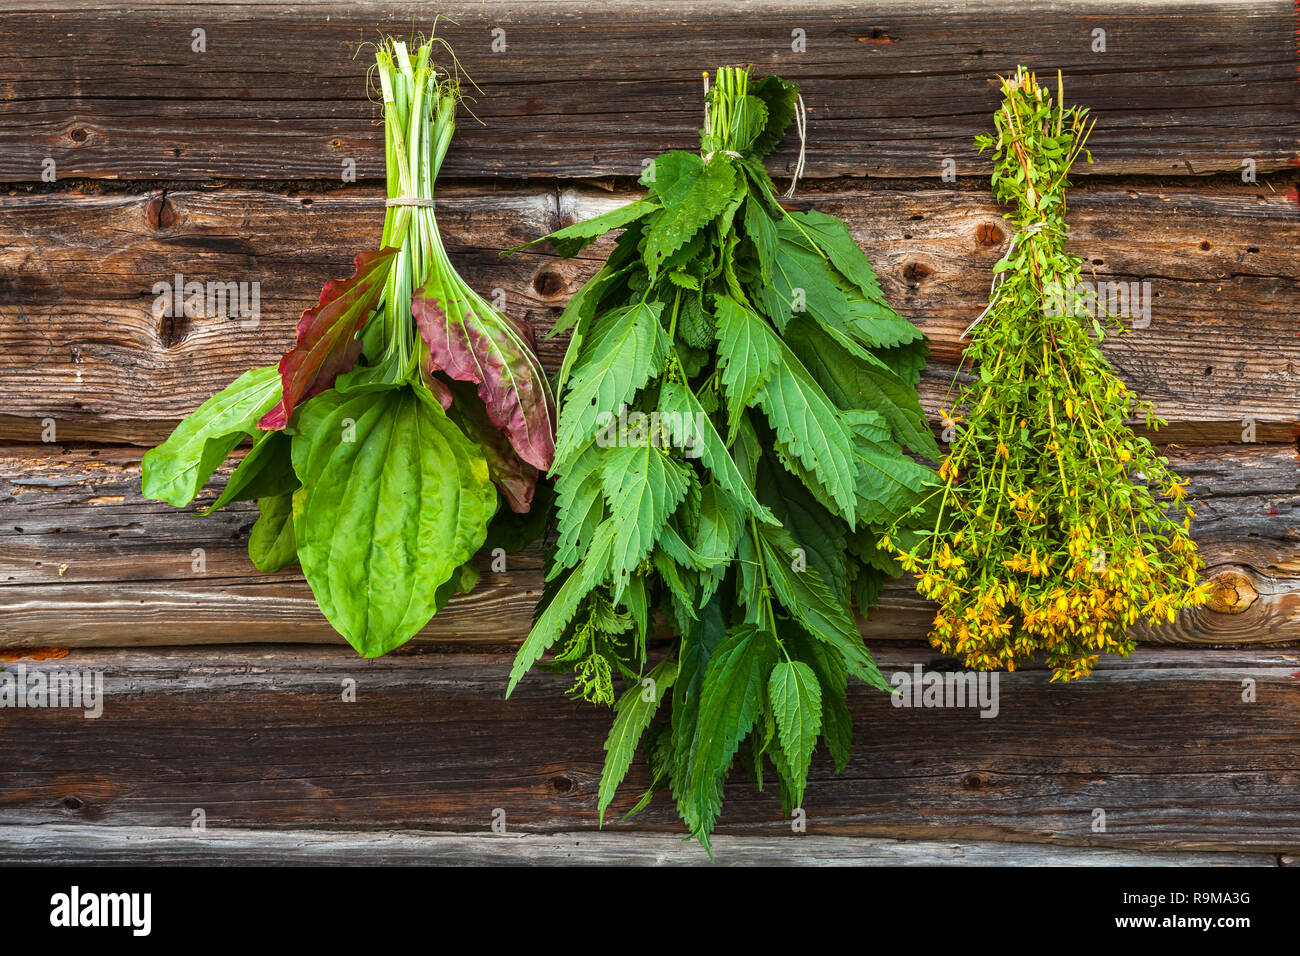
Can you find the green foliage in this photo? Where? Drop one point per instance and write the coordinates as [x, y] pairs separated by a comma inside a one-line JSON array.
[[271, 544], [408, 424], [736, 407], [394, 499], [1057, 527], [176, 470]]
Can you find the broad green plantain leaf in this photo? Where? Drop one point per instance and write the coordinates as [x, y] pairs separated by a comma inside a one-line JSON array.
[[633, 714], [271, 543], [515, 478], [176, 470], [266, 470], [394, 501]]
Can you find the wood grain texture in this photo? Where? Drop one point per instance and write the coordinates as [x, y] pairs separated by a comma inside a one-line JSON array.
[[84, 561], [91, 845], [592, 89], [1163, 742], [83, 342]]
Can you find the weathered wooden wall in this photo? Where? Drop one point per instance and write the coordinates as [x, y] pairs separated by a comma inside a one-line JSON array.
[[226, 165]]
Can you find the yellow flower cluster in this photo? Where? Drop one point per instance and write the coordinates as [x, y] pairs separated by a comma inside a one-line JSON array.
[[1055, 527], [1071, 615]]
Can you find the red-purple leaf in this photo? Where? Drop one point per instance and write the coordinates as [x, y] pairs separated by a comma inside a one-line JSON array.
[[497, 354], [514, 477], [327, 345]]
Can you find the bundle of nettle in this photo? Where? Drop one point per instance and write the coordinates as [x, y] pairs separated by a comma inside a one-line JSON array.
[[734, 407], [378, 439], [1057, 526]]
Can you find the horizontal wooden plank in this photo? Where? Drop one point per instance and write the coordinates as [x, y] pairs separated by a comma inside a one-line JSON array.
[[593, 89], [1162, 742], [84, 344], [84, 560], [93, 845]]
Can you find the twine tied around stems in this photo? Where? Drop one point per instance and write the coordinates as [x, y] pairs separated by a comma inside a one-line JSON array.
[[409, 201], [997, 276], [801, 123]]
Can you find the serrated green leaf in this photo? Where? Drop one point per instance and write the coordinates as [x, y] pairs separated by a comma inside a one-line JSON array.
[[717, 533], [581, 506], [689, 427], [780, 97], [698, 645], [809, 426], [571, 240], [730, 700], [760, 229], [748, 354], [694, 324], [855, 379], [831, 236], [802, 282], [796, 698], [624, 349], [806, 596], [814, 529], [633, 714], [643, 486], [837, 725], [554, 615], [693, 193]]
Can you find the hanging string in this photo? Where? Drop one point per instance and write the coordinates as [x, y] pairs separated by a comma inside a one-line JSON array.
[[997, 276], [801, 123]]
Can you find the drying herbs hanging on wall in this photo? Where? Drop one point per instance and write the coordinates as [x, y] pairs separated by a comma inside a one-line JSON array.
[[407, 411], [734, 407], [1057, 527]]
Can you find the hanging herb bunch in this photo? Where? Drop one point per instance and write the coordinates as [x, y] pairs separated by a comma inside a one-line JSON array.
[[735, 403], [379, 437], [1057, 526]]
